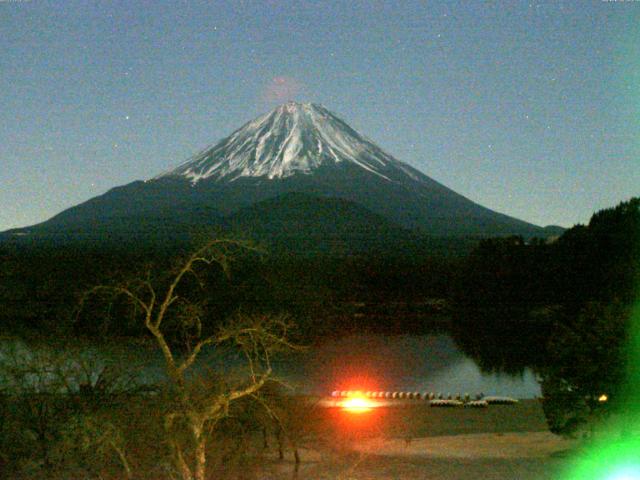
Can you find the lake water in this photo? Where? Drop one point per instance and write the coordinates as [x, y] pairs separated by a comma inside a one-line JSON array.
[[422, 363], [425, 363]]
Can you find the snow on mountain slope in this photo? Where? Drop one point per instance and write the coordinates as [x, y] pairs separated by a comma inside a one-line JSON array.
[[293, 138]]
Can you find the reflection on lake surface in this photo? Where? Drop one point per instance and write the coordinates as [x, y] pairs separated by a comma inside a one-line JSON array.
[[426, 363], [423, 363]]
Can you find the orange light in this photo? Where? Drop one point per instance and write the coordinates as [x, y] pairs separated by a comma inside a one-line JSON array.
[[357, 405]]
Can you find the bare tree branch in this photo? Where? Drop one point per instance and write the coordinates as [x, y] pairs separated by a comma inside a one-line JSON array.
[[258, 337]]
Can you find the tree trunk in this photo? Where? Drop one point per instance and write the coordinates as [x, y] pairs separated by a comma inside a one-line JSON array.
[[42, 431], [280, 444], [123, 459], [183, 468], [201, 459]]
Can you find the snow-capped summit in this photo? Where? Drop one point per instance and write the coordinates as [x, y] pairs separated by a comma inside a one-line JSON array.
[[293, 138]]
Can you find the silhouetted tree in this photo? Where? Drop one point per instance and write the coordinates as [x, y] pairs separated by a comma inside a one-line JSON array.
[[585, 369]]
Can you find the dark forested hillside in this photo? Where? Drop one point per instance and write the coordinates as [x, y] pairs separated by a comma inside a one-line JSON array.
[[599, 261], [519, 294], [41, 284], [502, 285]]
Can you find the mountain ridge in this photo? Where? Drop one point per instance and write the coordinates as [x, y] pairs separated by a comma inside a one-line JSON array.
[[296, 148]]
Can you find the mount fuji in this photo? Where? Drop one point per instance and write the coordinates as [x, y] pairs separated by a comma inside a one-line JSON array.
[[298, 171], [292, 139]]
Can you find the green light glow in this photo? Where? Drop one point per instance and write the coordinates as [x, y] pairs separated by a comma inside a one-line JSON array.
[[616, 460], [625, 473], [632, 390], [615, 455]]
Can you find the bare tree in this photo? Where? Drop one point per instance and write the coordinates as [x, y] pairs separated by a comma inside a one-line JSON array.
[[31, 382], [51, 393], [198, 402]]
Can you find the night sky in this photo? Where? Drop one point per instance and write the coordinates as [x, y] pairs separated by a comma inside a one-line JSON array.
[[529, 108]]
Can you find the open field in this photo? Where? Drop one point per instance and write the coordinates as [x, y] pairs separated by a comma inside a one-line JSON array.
[[417, 419], [420, 442], [409, 441]]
